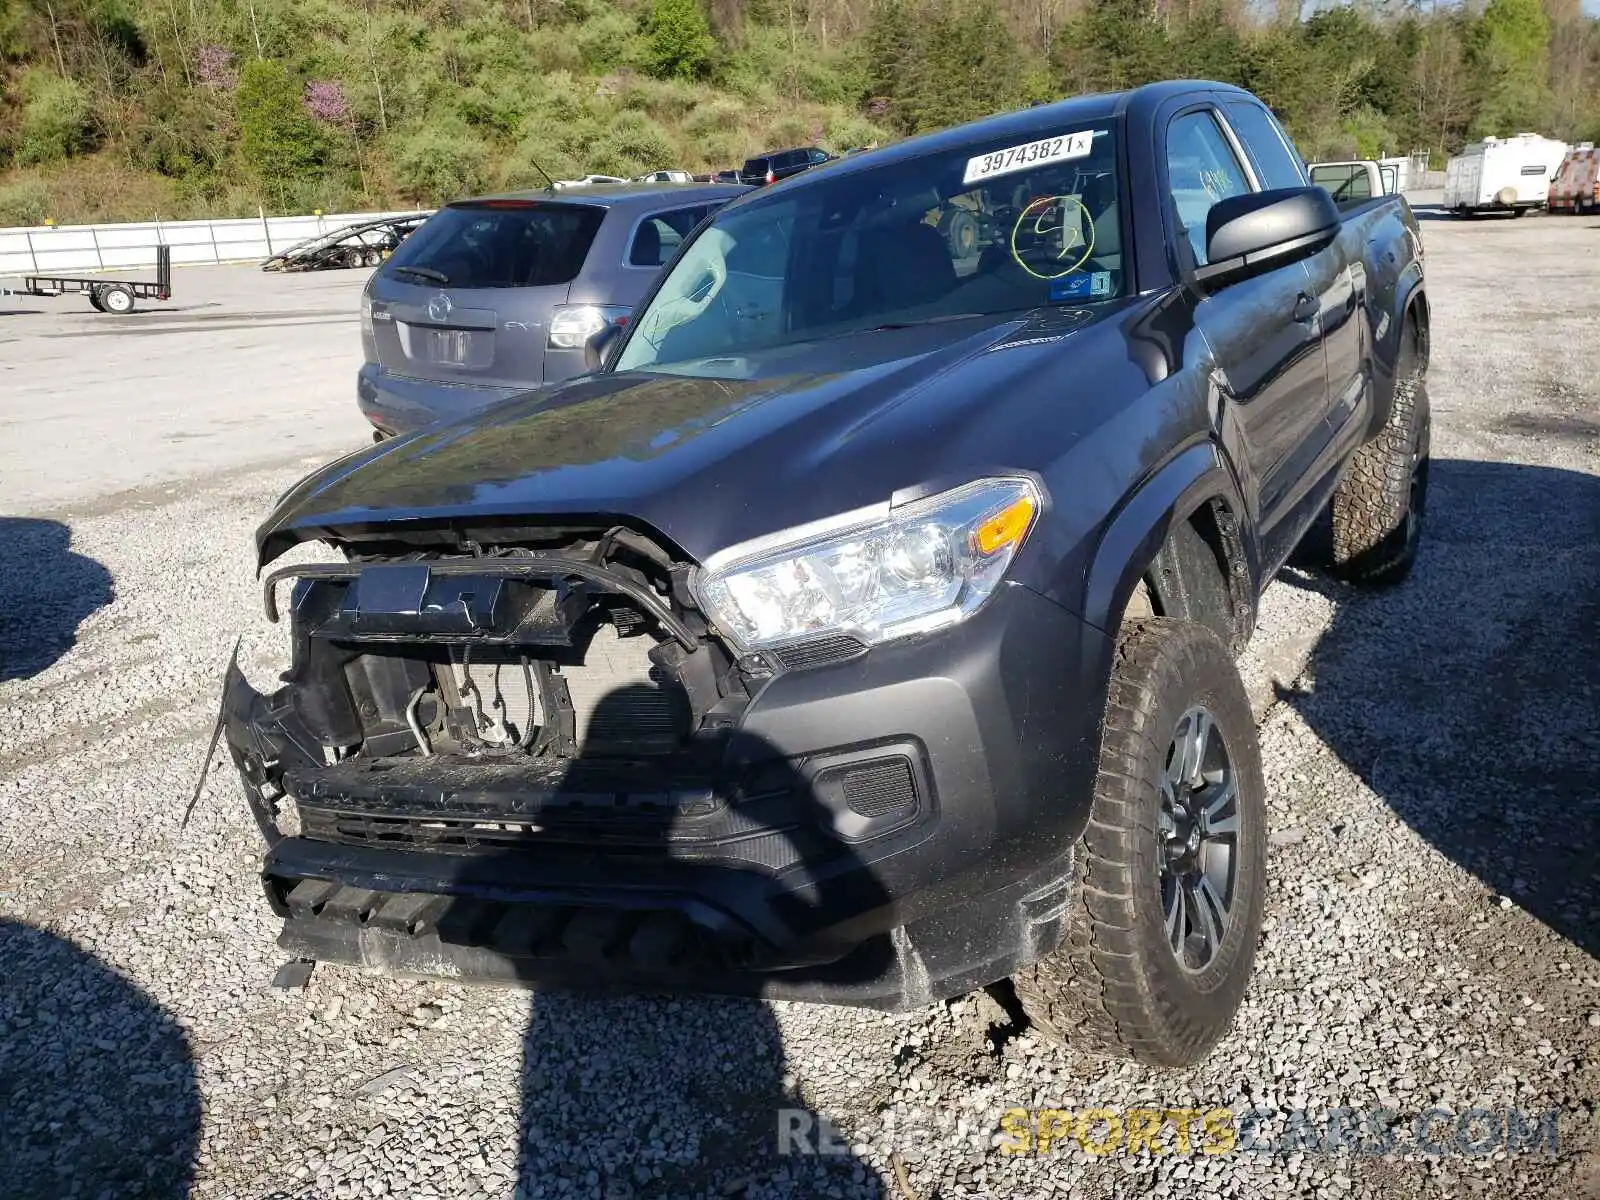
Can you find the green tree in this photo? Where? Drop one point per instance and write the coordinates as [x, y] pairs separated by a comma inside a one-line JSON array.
[[966, 65], [441, 162], [55, 118], [679, 44], [279, 140], [1115, 44], [1511, 49], [890, 44]]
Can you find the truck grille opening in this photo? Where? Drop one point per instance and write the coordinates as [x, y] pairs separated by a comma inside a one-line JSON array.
[[620, 701], [564, 693], [578, 649]]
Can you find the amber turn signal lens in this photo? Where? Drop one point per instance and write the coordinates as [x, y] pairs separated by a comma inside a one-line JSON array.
[[1006, 527]]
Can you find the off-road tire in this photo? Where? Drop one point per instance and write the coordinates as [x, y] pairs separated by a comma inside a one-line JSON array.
[[1114, 986], [1377, 510]]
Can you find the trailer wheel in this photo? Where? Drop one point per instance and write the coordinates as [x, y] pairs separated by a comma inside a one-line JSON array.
[[95, 300], [116, 300]]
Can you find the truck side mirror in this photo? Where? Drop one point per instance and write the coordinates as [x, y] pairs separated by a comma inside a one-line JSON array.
[[1258, 231], [598, 350]]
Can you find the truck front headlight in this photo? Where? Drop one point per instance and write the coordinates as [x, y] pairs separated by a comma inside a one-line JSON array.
[[926, 565]]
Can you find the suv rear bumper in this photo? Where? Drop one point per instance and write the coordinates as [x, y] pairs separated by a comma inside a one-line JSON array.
[[960, 875], [396, 404]]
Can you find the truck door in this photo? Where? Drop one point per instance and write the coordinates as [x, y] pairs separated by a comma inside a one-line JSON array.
[[1263, 333], [1337, 279]]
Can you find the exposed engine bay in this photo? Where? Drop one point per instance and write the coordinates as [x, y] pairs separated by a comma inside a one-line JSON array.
[[471, 683], [590, 645]]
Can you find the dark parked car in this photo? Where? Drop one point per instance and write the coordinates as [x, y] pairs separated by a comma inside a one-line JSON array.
[[864, 629], [781, 164], [491, 297]]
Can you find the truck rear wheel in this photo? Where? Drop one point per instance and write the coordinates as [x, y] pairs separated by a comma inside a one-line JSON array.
[[1171, 869], [1378, 508]]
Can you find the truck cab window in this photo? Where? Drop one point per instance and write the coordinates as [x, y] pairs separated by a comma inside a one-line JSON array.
[[1201, 170], [1277, 165]]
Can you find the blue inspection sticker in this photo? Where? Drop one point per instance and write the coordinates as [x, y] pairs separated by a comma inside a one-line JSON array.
[[1075, 286], [1081, 285]]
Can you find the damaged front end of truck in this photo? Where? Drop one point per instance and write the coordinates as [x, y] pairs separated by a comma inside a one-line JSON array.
[[510, 754]]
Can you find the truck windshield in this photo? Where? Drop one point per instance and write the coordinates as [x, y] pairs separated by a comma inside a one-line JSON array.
[[985, 230]]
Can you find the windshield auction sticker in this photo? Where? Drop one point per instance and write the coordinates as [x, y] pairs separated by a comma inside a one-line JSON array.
[[1030, 154]]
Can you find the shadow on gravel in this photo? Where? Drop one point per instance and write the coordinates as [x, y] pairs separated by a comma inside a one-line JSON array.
[[1468, 698], [628, 1095], [97, 1084], [49, 590]]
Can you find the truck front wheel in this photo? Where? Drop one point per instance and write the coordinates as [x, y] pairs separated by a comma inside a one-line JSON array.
[[1171, 870]]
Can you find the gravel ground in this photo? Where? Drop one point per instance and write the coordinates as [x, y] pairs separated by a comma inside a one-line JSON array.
[[1432, 922]]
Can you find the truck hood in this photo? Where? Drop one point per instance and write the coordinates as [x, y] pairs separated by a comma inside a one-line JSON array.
[[742, 448]]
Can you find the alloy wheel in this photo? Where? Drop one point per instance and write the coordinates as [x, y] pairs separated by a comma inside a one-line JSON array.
[[1199, 839]]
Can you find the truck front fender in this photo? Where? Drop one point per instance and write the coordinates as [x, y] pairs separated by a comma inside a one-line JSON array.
[[1137, 533]]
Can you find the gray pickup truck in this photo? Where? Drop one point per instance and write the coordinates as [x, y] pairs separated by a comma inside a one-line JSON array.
[[861, 628]]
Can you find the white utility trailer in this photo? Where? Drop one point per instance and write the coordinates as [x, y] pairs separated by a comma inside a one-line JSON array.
[[1502, 174]]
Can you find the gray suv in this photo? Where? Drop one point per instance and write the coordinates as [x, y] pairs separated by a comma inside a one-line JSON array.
[[491, 297]]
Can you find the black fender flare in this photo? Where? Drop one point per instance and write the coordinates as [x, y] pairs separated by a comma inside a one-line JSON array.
[[1409, 295], [1139, 529]]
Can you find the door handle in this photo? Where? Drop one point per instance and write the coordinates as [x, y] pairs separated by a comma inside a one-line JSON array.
[[1305, 309]]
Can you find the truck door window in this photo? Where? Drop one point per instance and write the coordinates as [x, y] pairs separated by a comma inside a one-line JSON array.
[[1277, 165], [1201, 170]]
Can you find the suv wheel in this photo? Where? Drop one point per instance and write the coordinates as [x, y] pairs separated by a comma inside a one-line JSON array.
[[1378, 507], [1171, 868]]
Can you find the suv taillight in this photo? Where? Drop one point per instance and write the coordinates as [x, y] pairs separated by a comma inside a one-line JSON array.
[[771, 178]]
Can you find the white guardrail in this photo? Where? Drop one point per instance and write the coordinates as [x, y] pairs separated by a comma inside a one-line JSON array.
[[72, 249]]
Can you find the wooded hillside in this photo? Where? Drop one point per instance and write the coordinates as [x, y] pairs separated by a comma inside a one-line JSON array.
[[136, 108]]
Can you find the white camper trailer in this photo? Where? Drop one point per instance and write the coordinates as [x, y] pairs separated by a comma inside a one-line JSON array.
[[1502, 174]]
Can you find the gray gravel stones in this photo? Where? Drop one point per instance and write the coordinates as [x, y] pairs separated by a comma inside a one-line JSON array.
[[1429, 944]]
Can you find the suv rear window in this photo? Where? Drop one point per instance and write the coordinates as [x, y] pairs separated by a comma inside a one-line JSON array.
[[756, 166], [500, 244]]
